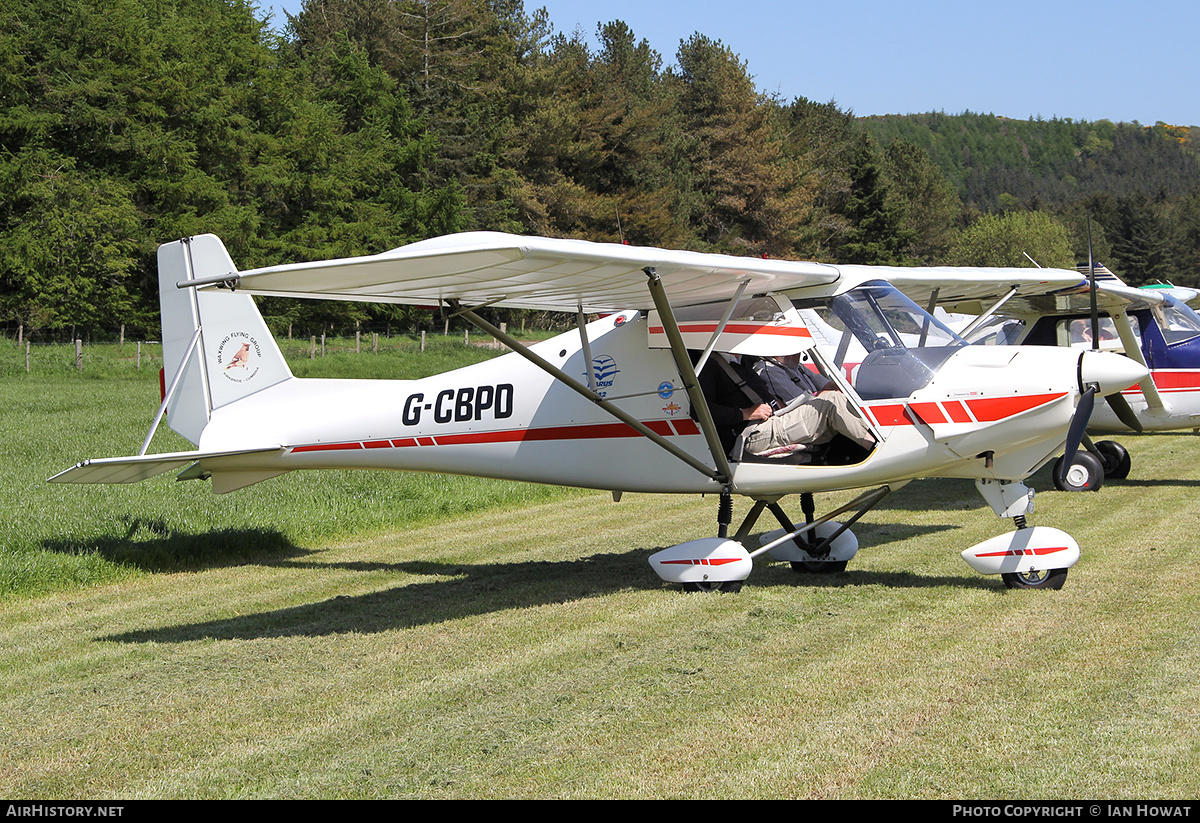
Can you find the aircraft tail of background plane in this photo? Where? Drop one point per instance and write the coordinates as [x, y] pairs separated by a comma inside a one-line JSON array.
[[216, 346]]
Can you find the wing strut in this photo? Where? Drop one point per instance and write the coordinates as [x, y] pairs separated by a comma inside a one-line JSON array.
[[571, 383], [716, 335], [581, 322], [1133, 349], [690, 382], [983, 318]]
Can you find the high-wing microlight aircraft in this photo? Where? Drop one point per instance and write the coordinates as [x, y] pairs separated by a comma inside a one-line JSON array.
[[616, 404], [1153, 325]]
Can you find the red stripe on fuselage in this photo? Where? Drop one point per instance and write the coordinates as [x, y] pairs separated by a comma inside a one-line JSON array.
[[591, 431], [984, 409], [738, 328], [990, 409], [1171, 381]]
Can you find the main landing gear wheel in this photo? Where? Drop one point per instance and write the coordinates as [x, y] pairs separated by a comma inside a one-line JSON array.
[[729, 586], [1044, 579], [818, 567], [1114, 458], [1085, 475]]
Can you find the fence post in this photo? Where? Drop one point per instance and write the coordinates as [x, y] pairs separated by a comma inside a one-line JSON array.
[[312, 348], [27, 357], [422, 340], [78, 354], [139, 357], [322, 344]]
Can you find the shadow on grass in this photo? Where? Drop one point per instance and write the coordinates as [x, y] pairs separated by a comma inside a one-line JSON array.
[[152, 546], [934, 494], [455, 591], [953, 494]]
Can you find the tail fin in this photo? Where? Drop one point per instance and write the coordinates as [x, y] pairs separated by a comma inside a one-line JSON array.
[[216, 347]]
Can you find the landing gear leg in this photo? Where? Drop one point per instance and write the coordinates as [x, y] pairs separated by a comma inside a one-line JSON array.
[[821, 545]]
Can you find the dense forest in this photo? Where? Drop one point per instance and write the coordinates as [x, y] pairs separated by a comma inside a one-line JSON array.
[[368, 124]]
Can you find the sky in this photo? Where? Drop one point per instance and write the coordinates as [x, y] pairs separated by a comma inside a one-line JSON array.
[[1098, 60]]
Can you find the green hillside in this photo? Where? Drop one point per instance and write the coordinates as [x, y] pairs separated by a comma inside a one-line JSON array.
[[998, 163], [373, 123]]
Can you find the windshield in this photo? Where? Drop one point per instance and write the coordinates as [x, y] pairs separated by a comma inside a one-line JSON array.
[[1177, 322], [886, 344]]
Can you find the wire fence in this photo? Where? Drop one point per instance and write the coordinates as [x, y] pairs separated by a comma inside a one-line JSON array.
[[97, 356], [536, 323]]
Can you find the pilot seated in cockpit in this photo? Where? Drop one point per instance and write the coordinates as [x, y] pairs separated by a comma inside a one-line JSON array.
[[778, 406]]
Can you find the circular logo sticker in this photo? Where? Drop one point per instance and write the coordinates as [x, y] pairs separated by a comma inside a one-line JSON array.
[[238, 357]]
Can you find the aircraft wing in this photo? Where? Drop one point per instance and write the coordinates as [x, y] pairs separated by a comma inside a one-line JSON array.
[[1184, 295], [972, 290], [1039, 291], [526, 272], [138, 468]]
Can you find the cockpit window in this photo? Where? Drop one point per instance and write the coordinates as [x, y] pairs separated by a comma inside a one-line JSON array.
[[758, 309], [886, 343], [997, 331], [1177, 322], [1079, 332]]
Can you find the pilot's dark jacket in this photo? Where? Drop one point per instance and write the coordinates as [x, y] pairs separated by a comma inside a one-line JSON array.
[[726, 399], [786, 383]]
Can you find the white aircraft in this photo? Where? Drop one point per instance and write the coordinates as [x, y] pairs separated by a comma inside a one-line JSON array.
[[616, 404], [1154, 325]]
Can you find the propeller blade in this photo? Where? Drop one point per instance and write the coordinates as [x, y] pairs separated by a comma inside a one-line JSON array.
[[1083, 413], [1123, 411]]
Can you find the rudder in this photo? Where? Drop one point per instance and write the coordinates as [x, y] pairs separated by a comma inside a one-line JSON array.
[[216, 347]]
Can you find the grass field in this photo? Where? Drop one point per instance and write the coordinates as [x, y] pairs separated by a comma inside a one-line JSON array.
[[352, 635]]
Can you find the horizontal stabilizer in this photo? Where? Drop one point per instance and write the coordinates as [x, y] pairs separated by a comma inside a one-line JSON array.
[[141, 467]]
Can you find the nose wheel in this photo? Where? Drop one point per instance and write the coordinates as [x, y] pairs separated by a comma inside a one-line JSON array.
[[1086, 473]]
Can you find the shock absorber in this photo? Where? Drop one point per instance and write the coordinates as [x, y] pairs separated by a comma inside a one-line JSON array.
[[724, 513]]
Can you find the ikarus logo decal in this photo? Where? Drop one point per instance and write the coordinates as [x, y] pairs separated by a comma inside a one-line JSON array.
[[604, 370], [238, 356]]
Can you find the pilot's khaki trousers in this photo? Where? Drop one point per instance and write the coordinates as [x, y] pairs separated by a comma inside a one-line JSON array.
[[810, 424]]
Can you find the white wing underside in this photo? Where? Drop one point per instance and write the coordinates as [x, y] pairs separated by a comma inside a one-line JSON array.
[[567, 275], [528, 272], [1041, 291]]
